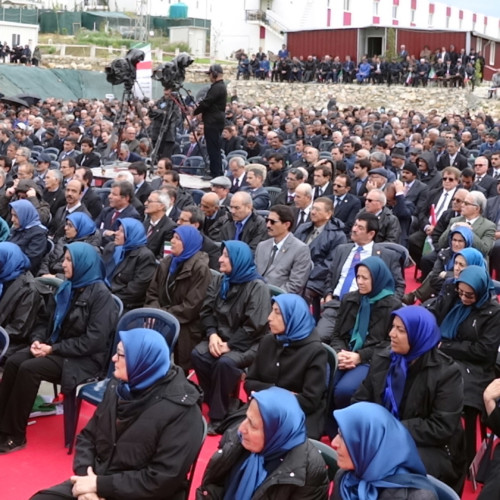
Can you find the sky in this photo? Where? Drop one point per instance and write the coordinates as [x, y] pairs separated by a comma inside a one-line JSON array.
[[488, 7]]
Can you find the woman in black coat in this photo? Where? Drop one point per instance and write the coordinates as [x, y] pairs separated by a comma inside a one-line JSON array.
[[19, 299], [145, 434], [294, 359], [73, 348], [423, 388], [130, 264], [363, 324]]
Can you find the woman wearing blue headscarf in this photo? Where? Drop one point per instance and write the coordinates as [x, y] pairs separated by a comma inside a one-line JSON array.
[[469, 318], [459, 238], [149, 426], [179, 287], [363, 324], [377, 457], [19, 299], [129, 263], [28, 232], [293, 358], [423, 388], [269, 457], [234, 319], [71, 348], [79, 227]]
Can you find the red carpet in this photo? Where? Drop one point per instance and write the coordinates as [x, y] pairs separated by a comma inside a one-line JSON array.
[[44, 461]]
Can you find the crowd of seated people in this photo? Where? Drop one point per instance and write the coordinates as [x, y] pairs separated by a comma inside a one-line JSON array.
[[331, 211], [445, 65]]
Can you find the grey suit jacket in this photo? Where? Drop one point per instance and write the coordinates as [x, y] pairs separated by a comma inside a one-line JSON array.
[[291, 266], [482, 229], [390, 257]]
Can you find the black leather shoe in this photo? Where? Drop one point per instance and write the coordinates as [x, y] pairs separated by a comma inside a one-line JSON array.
[[9, 445], [213, 428]]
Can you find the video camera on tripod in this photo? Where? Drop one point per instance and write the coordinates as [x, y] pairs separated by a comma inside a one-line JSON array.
[[124, 70], [172, 74]]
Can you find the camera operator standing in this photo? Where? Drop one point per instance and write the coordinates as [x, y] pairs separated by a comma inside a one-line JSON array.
[[165, 113], [212, 110]]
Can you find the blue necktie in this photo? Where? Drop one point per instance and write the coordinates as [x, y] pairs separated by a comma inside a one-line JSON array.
[[356, 258], [239, 228]]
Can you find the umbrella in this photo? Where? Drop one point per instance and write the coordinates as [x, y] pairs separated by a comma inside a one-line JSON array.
[[14, 101], [32, 100]]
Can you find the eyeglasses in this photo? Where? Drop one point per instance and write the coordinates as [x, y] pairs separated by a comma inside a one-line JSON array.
[[480, 165], [338, 185], [458, 200], [372, 201], [469, 204], [449, 179], [468, 295], [272, 221]]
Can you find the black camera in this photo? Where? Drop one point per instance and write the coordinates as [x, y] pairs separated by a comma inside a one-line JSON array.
[[124, 70], [172, 74]]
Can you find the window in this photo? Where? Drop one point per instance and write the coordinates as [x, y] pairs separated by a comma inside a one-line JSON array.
[[347, 5], [479, 44], [447, 21], [16, 40], [460, 23], [412, 20], [375, 8], [493, 46], [431, 20], [394, 11]]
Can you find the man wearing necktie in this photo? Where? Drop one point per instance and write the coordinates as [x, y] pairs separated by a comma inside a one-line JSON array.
[[322, 181]]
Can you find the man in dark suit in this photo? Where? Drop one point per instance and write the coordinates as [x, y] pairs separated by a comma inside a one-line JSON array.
[[90, 198], [452, 157], [142, 188], [260, 196], [88, 158], [322, 180], [244, 224], [192, 148], [341, 279], [221, 186], [216, 216], [126, 155], [120, 197], [360, 172], [415, 191], [346, 205], [238, 175], [294, 177], [73, 193], [283, 260], [482, 178], [159, 227], [493, 214], [230, 140], [69, 149], [53, 193], [303, 202]]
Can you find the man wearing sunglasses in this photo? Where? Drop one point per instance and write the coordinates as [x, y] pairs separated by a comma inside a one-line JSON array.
[[283, 260]]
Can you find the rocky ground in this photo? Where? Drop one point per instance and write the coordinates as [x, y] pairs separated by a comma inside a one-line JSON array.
[[313, 95]]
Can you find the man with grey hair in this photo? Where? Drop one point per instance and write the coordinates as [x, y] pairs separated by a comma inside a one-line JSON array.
[[244, 224], [238, 175], [216, 216], [159, 227], [483, 230], [389, 227], [53, 193], [303, 201]]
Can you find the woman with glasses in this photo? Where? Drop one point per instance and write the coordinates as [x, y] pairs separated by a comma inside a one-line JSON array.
[[72, 348], [469, 318], [129, 263], [179, 287], [144, 435], [234, 319], [422, 387], [79, 227]]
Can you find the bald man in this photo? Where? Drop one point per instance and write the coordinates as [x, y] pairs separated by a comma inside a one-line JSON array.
[[215, 216]]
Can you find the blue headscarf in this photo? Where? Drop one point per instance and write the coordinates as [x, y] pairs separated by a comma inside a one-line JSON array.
[[242, 264], [467, 235], [135, 237], [478, 279], [284, 429], [83, 224], [13, 262], [27, 214], [87, 269], [472, 256], [147, 358], [380, 447], [382, 286], [298, 320], [423, 335], [192, 242]]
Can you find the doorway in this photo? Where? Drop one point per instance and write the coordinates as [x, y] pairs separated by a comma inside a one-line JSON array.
[[374, 46]]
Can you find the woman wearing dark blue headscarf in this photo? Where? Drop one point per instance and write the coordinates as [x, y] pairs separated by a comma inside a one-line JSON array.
[[459, 238], [28, 232], [377, 457], [423, 388], [179, 287], [19, 299], [293, 358], [149, 426], [129, 263], [71, 348], [269, 457], [469, 317], [79, 227], [234, 318], [363, 324]]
